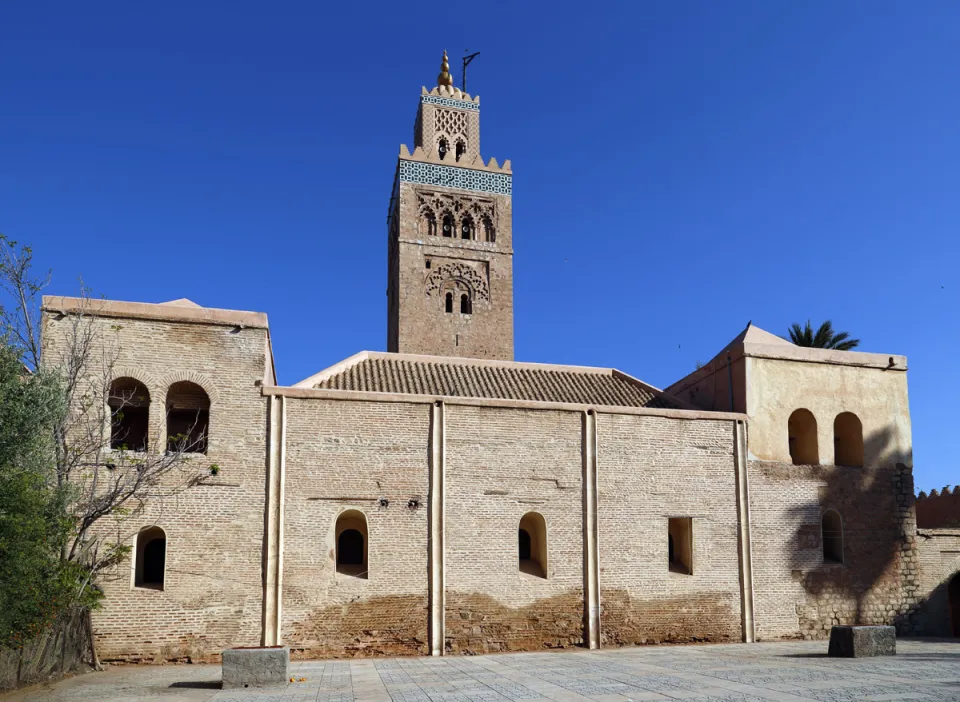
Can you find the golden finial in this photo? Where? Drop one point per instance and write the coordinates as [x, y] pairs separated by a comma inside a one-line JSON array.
[[445, 79]]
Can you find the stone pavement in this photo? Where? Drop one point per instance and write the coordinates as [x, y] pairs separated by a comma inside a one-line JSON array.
[[794, 671]]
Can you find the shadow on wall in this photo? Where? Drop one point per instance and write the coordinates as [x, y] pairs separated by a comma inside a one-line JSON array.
[[854, 561], [937, 614]]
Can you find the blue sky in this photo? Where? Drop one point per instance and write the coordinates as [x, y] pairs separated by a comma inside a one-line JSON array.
[[680, 168]]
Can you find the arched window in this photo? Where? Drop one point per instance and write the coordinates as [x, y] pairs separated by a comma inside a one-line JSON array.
[[448, 225], [129, 404], [188, 418], [488, 232], [953, 596], [532, 545], [442, 148], [466, 307], [848, 440], [151, 558], [428, 223], [351, 535], [448, 303], [802, 432], [831, 534], [461, 148], [467, 228]]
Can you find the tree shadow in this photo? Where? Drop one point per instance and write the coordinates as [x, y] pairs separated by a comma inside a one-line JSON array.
[[198, 684], [877, 565]]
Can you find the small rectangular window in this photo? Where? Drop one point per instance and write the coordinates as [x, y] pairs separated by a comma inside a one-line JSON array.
[[680, 545]]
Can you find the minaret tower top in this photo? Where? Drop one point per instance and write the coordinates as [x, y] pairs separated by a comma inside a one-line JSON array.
[[450, 259]]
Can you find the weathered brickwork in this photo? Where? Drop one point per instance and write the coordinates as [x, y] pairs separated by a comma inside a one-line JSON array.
[[212, 596], [798, 593], [370, 457], [502, 464], [436, 467], [650, 469]]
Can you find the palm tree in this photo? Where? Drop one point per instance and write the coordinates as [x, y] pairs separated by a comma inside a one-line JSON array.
[[823, 338]]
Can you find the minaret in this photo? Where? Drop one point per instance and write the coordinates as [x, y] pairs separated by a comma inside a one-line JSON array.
[[450, 255]]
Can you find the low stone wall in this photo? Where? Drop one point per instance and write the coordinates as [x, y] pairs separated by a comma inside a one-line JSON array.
[[60, 650]]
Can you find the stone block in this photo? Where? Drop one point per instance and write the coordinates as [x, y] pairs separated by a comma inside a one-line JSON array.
[[862, 641], [255, 667]]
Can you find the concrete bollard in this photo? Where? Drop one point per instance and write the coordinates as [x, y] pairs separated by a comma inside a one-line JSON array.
[[255, 666], [862, 641]]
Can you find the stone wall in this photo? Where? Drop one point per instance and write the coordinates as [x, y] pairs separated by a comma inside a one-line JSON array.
[[212, 596], [797, 592], [418, 322]]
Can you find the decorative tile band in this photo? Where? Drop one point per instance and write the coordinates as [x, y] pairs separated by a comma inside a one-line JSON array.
[[450, 102], [454, 177]]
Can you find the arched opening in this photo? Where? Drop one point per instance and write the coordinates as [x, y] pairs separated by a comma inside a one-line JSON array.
[[466, 307], [466, 228], [188, 418], [848, 440], [488, 232], [802, 433], [448, 303], [953, 595], [447, 225], [352, 547], [442, 149], [428, 223], [151, 558], [831, 534], [461, 148], [129, 404], [532, 545]]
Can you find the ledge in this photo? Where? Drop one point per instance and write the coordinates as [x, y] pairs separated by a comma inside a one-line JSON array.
[[147, 310]]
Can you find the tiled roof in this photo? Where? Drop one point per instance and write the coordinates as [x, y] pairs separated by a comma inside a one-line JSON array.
[[443, 377]]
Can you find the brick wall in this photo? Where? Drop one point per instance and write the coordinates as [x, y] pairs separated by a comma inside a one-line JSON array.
[[500, 465], [938, 553], [213, 593], [650, 469], [348, 455]]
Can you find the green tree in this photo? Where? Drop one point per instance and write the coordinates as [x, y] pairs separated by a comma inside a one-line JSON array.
[[823, 338], [35, 583], [69, 504]]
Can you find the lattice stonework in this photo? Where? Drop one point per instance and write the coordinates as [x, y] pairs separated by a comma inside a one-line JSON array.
[[457, 272], [449, 102], [450, 123], [454, 177], [437, 203]]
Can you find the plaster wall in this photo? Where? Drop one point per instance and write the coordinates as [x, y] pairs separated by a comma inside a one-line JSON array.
[[775, 388]]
